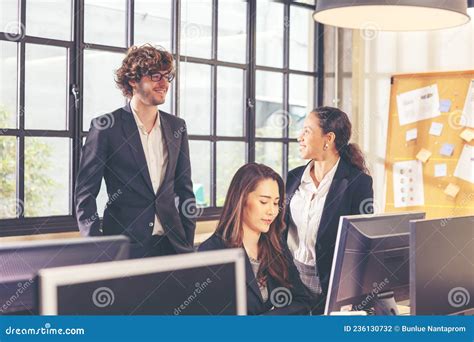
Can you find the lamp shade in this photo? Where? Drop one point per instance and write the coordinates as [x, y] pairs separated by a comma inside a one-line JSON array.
[[392, 15]]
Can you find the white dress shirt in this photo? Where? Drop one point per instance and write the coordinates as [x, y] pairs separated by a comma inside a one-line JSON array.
[[306, 208], [156, 156]]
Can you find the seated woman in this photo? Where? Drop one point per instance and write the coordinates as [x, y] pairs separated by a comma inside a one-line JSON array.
[[252, 218]]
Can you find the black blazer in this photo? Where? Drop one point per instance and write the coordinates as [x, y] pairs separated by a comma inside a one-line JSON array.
[[113, 150], [350, 190], [299, 304]]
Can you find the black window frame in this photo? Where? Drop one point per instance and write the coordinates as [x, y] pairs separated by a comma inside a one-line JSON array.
[[76, 47]]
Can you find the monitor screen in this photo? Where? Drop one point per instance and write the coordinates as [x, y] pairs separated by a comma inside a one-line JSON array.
[[21, 261], [207, 283], [442, 266], [370, 267]]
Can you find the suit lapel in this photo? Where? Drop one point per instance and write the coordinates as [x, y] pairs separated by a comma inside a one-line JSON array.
[[132, 137], [166, 132], [335, 196]]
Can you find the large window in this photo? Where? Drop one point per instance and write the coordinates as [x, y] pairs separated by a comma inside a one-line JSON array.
[[247, 73]]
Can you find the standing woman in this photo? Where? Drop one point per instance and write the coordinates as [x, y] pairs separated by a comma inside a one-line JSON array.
[[335, 182], [252, 218]]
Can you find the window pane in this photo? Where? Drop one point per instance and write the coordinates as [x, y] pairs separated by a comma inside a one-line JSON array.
[[47, 163], [232, 34], [200, 153], [301, 39], [40, 13], [294, 159], [8, 201], [230, 101], [271, 119], [153, 22], [230, 156], [270, 33], [105, 22], [9, 16], [195, 96], [8, 85], [46, 87], [270, 154], [168, 100], [196, 28], [301, 101], [101, 94]]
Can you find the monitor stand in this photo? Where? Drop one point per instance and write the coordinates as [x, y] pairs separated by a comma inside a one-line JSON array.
[[385, 305]]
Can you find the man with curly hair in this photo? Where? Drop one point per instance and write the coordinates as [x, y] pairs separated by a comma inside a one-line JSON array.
[[142, 153]]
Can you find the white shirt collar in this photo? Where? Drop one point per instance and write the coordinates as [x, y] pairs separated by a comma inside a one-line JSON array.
[[140, 124]]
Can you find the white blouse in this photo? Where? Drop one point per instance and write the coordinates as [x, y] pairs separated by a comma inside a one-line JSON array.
[[306, 208]]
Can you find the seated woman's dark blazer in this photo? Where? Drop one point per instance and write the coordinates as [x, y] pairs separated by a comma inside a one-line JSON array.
[[350, 193], [299, 305]]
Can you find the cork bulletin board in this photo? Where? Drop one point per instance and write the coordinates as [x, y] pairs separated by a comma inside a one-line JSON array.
[[429, 157]]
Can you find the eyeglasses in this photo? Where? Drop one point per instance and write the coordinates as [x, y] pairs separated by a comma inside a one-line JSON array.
[[157, 77]]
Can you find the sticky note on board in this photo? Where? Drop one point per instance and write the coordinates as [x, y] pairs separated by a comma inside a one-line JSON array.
[[447, 150], [452, 190], [436, 128], [440, 170], [423, 155], [444, 105], [467, 135], [411, 134]]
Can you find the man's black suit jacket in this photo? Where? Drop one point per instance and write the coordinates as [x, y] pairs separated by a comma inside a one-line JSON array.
[[113, 151]]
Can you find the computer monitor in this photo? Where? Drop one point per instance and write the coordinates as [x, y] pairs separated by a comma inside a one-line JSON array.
[[442, 266], [21, 261], [205, 283], [370, 267]]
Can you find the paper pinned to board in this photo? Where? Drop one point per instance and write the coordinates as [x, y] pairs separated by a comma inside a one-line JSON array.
[[468, 111], [465, 167], [408, 188], [447, 150], [452, 190], [444, 105], [467, 135], [423, 155], [440, 170], [436, 128], [418, 104], [411, 134]]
